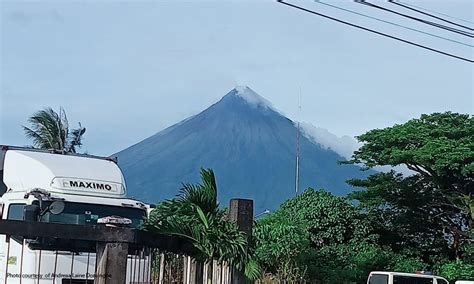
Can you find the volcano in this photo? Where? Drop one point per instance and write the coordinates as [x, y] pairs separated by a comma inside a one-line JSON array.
[[250, 146]]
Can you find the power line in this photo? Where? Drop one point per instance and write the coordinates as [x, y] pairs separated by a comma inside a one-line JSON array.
[[451, 29], [374, 31], [430, 15], [435, 12], [392, 23], [417, 19]]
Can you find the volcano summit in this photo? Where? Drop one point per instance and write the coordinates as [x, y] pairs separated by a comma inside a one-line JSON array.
[[250, 146]]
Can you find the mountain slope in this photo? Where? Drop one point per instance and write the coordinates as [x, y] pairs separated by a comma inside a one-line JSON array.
[[250, 146]]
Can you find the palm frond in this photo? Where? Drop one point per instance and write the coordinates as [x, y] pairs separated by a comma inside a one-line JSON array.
[[202, 217], [63, 128], [47, 124], [50, 130], [75, 138], [252, 269], [209, 180], [38, 140], [195, 214], [200, 195]]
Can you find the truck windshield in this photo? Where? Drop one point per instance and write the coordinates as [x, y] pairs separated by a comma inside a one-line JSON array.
[[88, 214], [378, 279], [399, 279]]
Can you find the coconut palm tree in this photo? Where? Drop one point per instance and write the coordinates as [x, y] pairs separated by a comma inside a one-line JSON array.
[[50, 130], [195, 214]]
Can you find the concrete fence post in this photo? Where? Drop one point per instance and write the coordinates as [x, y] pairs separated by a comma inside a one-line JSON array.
[[241, 211], [112, 263]]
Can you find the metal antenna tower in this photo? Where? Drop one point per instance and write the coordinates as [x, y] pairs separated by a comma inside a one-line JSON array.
[[297, 172]]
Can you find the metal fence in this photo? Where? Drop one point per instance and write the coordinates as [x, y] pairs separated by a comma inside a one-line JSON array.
[[33, 252], [40, 253]]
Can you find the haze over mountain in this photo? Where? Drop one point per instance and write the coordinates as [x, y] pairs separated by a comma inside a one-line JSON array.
[[251, 148]]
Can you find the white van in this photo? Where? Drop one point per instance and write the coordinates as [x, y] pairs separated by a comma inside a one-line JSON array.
[[88, 188], [383, 277]]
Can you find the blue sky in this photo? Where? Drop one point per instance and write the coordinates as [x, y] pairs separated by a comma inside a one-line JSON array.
[[126, 70]]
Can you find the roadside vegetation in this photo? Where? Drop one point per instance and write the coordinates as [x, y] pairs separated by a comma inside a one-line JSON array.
[[50, 130], [392, 221], [195, 215]]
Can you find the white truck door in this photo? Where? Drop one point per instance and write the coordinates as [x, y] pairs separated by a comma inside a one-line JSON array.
[[2, 247]]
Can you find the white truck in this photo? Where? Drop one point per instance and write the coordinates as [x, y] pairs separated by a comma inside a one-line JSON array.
[[385, 277], [59, 188]]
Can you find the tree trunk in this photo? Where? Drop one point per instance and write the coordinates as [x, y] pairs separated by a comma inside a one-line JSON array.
[[456, 245]]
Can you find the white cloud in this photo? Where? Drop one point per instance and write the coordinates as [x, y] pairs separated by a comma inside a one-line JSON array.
[[344, 145]]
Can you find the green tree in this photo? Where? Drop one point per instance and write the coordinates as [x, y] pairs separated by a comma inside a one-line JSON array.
[[313, 237], [280, 245], [50, 130], [351, 262], [317, 236], [457, 270], [327, 218], [195, 215], [436, 201]]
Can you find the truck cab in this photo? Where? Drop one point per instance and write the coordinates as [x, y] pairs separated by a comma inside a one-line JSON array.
[[385, 277], [89, 188]]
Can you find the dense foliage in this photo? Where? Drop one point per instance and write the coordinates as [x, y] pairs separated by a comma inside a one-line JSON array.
[[432, 209], [398, 221], [195, 214], [319, 236], [456, 270], [50, 130]]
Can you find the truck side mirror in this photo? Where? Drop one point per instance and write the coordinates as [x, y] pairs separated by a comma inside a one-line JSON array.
[[31, 213], [56, 207]]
